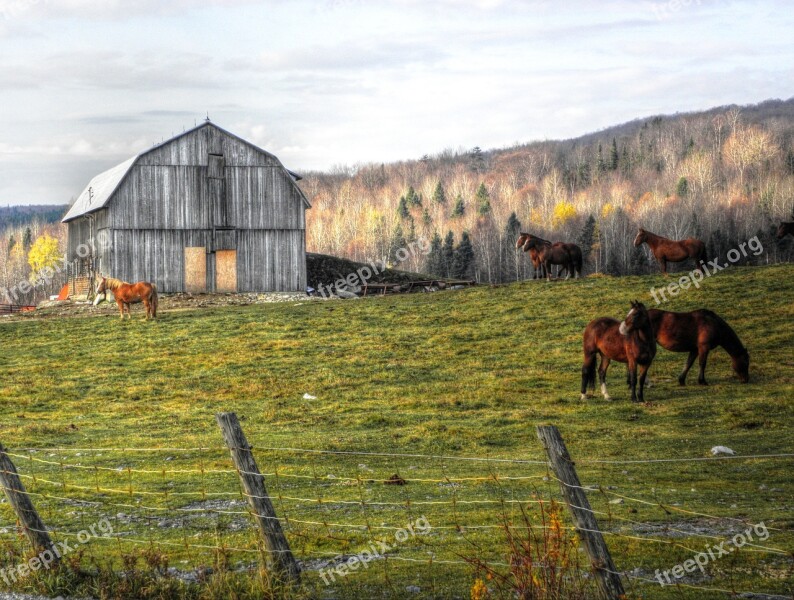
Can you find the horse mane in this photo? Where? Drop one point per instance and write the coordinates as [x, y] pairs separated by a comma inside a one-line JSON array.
[[114, 284]]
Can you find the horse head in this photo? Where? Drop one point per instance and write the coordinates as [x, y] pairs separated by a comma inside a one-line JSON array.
[[741, 365], [636, 319], [522, 239], [641, 237]]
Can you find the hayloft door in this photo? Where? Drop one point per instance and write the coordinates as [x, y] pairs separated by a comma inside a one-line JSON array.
[[226, 270], [196, 270]]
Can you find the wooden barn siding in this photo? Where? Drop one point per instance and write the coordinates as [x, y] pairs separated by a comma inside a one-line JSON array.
[[165, 197], [272, 260], [79, 231], [193, 148], [157, 256]]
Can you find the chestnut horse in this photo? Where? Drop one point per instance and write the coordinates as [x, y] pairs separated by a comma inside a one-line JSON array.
[[534, 255], [673, 251], [698, 332], [629, 341], [786, 228], [131, 293]]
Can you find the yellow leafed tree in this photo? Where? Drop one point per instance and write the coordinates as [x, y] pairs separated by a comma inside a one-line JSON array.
[[563, 212], [44, 253]]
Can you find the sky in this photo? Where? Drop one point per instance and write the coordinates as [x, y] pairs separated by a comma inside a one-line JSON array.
[[85, 84]]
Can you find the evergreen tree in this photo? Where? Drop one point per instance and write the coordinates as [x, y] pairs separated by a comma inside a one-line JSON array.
[[402, 208], [463, 258], [397, 241], [434, 261], [600, 164], [790, 162], [477, 159], [697, 230], [460, 207], [448, 254], [613, 262], [11, 243], [613, 156], [682, 189], [426, 218], [412, 198], [587, 237], [483, 199], [513, 225], [27, 240], [639, 262], [439, 196], [412, 232]]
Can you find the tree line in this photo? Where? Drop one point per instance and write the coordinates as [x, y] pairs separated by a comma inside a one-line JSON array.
[[723, 175]]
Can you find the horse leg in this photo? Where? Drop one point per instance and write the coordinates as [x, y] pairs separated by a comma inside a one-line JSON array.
[[147, 305], [633, 378], [602, 376], [689, 362], [663, 265], [588, 368], [643, 375], [120, 304], [703, 355]]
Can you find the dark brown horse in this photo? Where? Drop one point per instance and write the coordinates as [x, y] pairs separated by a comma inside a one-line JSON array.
[[130, 293], [672, 251], [698, 332], [546, 253], [786, 228], [630, 341]]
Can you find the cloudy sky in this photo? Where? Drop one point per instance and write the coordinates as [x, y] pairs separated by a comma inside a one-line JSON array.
[[85, 84]]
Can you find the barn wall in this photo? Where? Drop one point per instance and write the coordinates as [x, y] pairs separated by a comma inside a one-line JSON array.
[[181, 197], [157, 256], [271, 260], [80, 231]]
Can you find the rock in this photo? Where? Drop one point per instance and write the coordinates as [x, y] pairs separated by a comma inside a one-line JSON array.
[[308, 396], [722, 450], [616, 501], [413, 589]]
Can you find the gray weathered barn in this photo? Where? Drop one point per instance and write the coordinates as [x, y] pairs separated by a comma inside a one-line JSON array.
[[203, 211]]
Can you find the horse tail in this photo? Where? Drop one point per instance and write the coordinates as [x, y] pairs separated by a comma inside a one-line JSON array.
[[702, 257], [578, 261], [154, 301]]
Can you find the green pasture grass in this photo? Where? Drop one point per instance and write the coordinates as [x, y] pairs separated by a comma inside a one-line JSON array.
[[468, 373]]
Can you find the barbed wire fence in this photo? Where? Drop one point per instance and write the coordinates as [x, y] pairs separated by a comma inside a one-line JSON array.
[[193, 507]]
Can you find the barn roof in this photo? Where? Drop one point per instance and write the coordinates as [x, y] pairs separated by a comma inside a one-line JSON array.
[[101, 188]]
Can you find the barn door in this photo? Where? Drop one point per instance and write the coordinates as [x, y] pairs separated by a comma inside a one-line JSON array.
[[196, 270], [226, 270]]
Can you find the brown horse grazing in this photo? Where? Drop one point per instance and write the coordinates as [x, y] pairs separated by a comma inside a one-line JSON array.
[[630, 341], [786, 228], [673, 251], [131, 293], [698, 332]]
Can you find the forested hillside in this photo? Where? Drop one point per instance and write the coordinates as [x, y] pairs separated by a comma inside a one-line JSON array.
[[723, 175]]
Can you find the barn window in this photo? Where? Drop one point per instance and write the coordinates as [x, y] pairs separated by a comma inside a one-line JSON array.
[[215, 166]]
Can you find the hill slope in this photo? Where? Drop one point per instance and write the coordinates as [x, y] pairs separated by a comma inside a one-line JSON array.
[[465, 373]]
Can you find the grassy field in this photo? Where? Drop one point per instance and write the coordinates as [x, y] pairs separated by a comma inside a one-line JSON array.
[[458, 374]]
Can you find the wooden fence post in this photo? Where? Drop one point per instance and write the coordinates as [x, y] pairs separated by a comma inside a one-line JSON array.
[[586, 525], [279, 555], [20, 501]]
